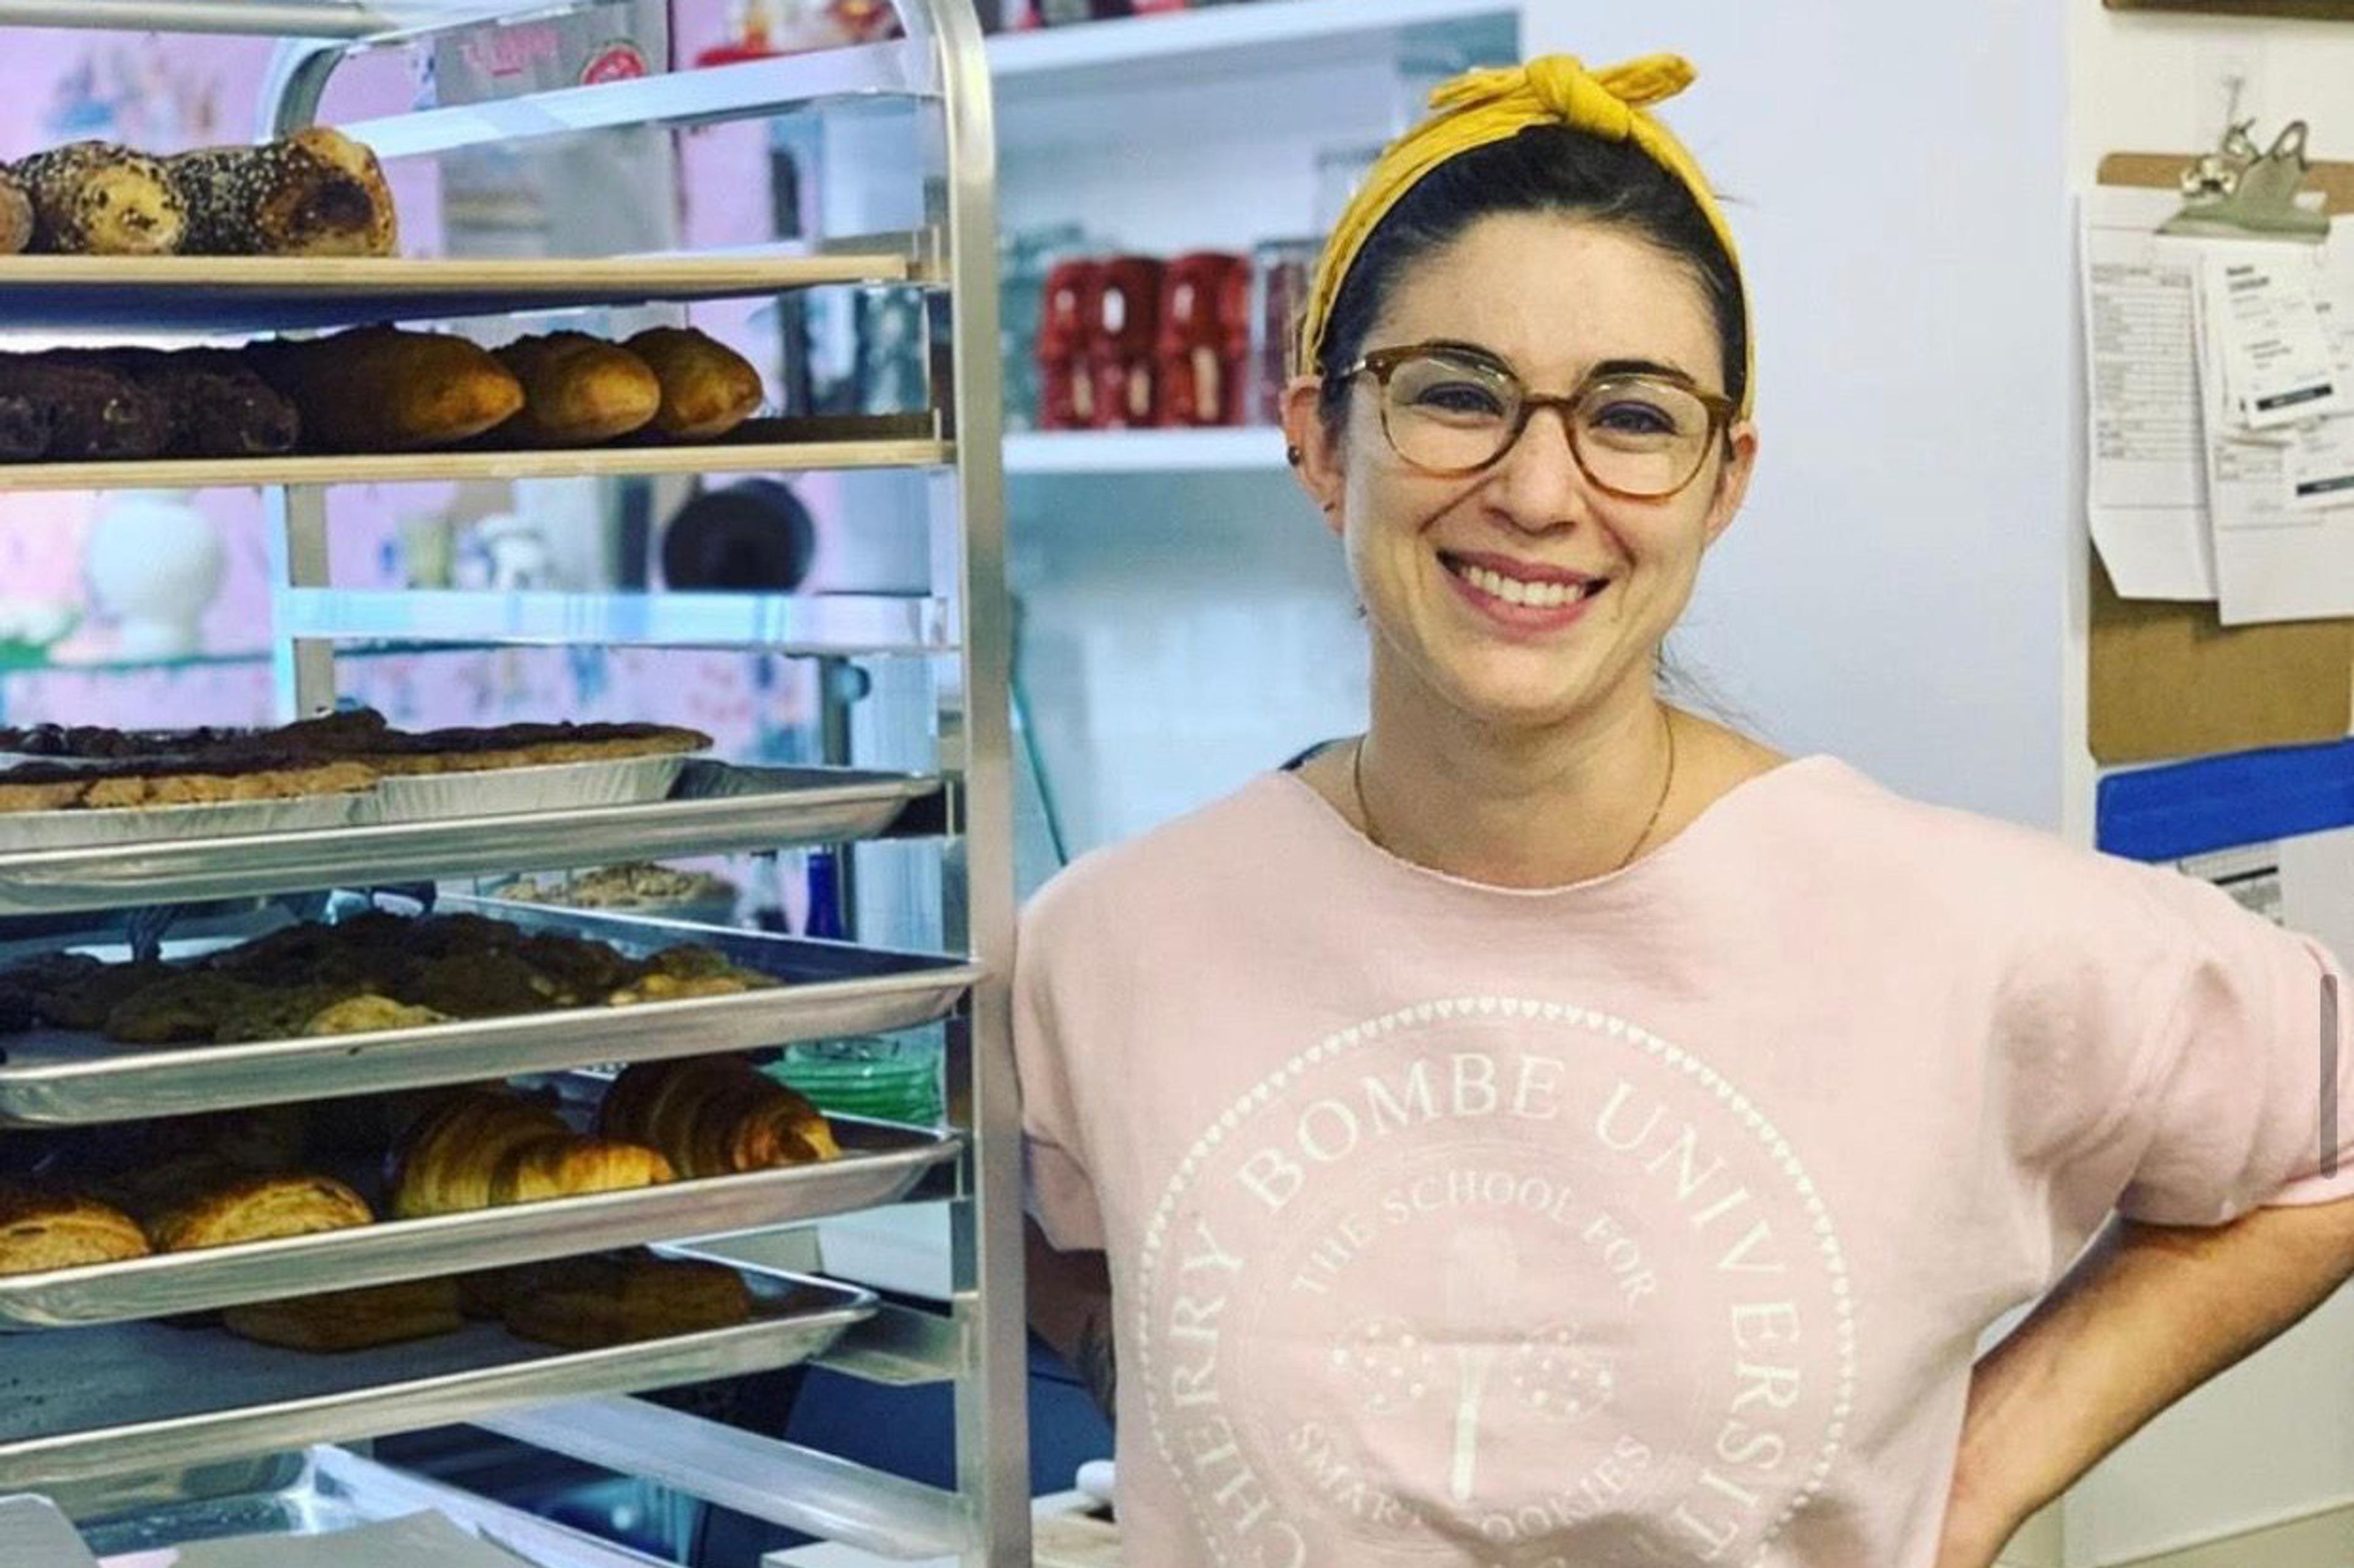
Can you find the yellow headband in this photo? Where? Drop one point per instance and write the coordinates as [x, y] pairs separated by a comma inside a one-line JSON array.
[[1485, 106]]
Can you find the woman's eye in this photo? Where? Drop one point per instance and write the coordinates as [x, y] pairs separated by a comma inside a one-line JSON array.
[[1462, 398], [1634, 418]]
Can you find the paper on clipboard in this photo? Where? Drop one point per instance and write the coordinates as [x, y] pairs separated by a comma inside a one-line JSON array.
[[2281, 556], [2146, 478], [2262, 325], [2321, 456], [2185, 503]]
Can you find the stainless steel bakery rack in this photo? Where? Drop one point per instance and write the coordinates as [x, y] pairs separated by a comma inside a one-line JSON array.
[[102, 1411]]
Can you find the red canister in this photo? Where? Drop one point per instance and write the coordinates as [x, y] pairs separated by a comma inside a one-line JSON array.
[[1126, 325], [1066, 398], [1197, 366]]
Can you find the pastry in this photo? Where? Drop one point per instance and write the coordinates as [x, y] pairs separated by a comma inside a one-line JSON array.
[[85, 1000], [92, 412], [707, 389], [351, 1320], [16, 213], [586, 1303], [577, 389], [186, 1007], [121, 785], [27, 425], [585, 970], [449, 1161], [563, 1165], [96, 198], [42, 1230], [367, 1012], [716, 1116], [268, 1013], [215, 406], [40, 787], [258, 1208], [483, 985], [379, 389], [486, 1147], [315, 192], [248, 1141], [672, 988], [360, 737]]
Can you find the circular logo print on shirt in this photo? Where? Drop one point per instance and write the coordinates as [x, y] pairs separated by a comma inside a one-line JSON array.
[[1496, 1281]]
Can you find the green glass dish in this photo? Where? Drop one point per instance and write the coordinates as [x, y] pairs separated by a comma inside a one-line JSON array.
[[868, 1075]]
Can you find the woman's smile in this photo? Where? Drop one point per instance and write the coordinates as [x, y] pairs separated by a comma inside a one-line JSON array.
[[1520, 596]]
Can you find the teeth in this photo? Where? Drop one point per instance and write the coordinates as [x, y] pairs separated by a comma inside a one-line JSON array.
[[1512, 590]]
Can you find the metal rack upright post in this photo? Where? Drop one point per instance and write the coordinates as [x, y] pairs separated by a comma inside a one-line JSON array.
[[961, 630]]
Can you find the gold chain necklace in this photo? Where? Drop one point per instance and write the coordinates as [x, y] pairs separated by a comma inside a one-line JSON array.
[[1357, 787]]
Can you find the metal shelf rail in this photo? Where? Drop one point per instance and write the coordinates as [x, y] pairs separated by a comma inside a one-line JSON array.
[[959, 632]]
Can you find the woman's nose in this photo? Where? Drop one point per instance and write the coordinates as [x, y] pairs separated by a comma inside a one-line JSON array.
[[1537, 485]]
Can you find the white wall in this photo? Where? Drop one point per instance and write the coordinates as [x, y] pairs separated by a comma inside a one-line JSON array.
[[2274, 1438], [1894, 592], [2147, 83]]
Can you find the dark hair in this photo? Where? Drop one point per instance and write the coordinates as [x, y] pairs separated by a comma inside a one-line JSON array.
[[1544, 169]]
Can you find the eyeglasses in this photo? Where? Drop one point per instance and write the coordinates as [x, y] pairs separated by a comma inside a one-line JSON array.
[[1453, 411]]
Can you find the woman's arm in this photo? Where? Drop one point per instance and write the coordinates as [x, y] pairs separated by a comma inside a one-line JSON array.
[[1070, 1305], [2146, 1315]]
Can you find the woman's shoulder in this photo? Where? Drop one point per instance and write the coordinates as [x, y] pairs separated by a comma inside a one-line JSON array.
[[1216, 849], [1934, 856]]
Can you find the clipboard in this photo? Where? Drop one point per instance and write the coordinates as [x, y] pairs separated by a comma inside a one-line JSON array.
[[2168, 680]]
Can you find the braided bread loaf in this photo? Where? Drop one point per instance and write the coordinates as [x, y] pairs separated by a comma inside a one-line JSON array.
[[98, 198], [315, 192], [716, 1116], [16, 222]]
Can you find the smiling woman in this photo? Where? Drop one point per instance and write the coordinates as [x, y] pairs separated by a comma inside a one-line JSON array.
[[1553, 1127]]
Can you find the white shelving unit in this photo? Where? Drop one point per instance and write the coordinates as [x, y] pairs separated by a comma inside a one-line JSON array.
[[1218, 41], [113, 1410], [1251, 450], [1186, 619]]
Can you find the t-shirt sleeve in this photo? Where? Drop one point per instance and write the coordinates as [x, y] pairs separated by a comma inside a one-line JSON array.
[[2238, 1087], [1060, 1192]]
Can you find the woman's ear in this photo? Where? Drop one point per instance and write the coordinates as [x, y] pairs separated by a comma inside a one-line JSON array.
[[1732, 478], [1310, 449]]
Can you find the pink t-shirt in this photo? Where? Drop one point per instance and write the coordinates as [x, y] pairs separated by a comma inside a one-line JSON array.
[[1649, 1221]]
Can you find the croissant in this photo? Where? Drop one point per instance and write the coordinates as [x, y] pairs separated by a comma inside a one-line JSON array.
[[563, 1165], [716, 1116], [447, 1162], [41, 1231], [258, 1208]]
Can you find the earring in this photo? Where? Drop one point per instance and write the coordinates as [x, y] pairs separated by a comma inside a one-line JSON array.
[[1293, 456]]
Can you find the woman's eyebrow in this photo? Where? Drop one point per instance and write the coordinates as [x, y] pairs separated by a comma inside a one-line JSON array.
[[1613, 367], [1606, 370], [1469, 350]]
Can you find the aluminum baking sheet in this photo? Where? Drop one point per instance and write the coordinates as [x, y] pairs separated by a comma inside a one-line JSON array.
[[85, 1402], [325, 1491], [515, 791], [713, 807], [216, 822], [50, 1077], [880, 1163]]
